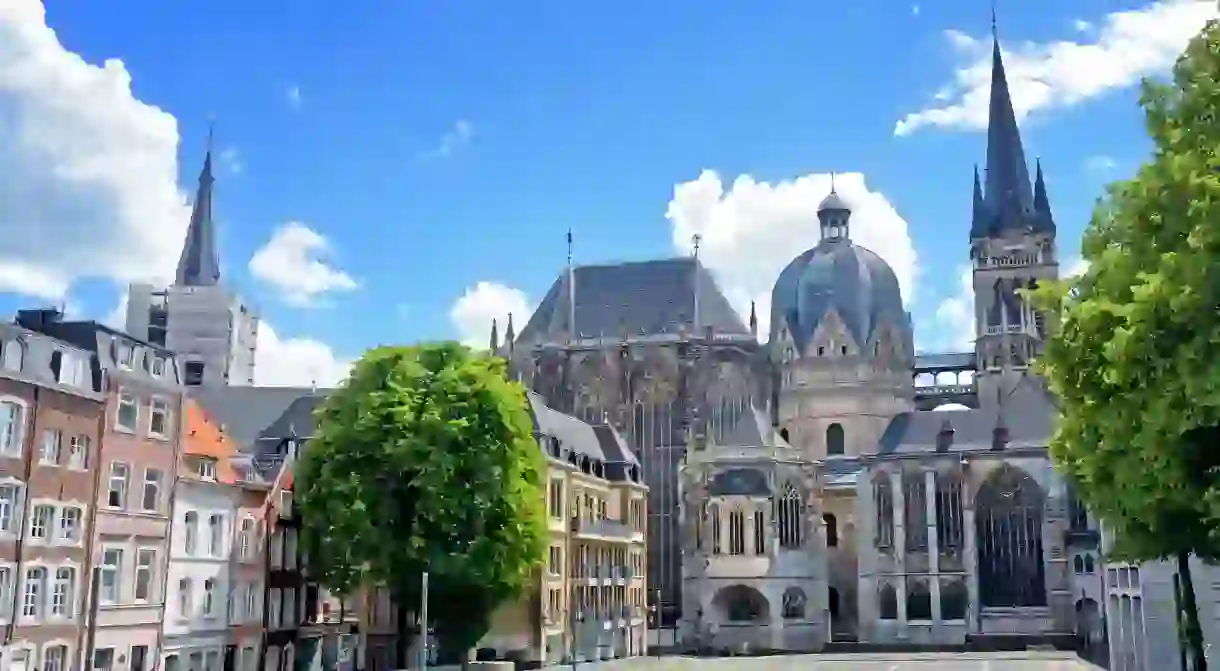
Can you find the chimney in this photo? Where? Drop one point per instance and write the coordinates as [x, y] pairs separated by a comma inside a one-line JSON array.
[[38, 320]]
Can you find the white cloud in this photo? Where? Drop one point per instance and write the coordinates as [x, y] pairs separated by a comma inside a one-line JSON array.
[[296, 362], [1127, 46], [89, 186], [292, 262], [471, 314], [953, 321], [457, 137], [1082, 26], [231, 161], [117, 318], [1100, 164], [751, 230], [292, 93], [914, 10]]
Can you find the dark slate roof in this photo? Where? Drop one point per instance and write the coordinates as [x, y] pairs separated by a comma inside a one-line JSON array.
[[1027, 415], [572, 433], [641, 298], [613, 445], [833, 201], [246, 413], [752, 429], [297, 419], [199, 265], [739, 482], [945, 361], [839, 275]]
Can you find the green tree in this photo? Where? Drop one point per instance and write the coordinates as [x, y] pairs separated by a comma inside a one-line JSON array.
[[424, 460], [1134, 358]]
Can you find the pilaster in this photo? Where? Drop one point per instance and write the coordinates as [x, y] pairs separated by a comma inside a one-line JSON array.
[[900, 548], [970, 551], [929, 481]]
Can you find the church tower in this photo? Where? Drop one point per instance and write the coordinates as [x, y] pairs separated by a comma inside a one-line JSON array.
[[1012, 243], [213, 333]]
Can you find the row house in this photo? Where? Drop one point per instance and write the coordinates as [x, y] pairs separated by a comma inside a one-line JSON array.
[[213, 618], [52, 417], [142, 395]]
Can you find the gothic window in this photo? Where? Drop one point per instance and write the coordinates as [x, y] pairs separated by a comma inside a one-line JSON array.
[[737, 532], [883, 496], [790, 513], [760, 533], [1078, 564], [915, 514], [948, 512], [887, 602], [1009, 531], [1088, 564], [832, 530], [919, 601], [714, 511], [834, 439], [953, 598], [1078, 515], [794, 604]]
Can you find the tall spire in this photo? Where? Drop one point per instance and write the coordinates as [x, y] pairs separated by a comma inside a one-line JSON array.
[[494, 343], [199, 265], [1007, 189], [1042, 205]]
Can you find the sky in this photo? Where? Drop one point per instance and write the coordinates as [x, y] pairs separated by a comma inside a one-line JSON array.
[[406, 171]]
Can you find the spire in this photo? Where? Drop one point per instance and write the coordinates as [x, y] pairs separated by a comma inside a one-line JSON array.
[[753, 320], [494, 344], [509, 333], [199, 265], [980, 223], [1007, 188], [1042, 205]]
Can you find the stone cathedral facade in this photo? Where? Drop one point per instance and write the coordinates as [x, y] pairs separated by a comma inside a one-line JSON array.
[[829, 484]]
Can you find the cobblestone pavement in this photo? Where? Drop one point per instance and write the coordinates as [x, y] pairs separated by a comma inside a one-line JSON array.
[[947, 661]]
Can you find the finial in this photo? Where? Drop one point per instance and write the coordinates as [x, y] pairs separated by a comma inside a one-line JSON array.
[[832, 181], [569, 246], [995, 33], [211, 133], [696, 239]]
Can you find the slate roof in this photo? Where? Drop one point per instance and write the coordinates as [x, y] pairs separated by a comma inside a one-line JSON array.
[[1027, 417], [596, 441], [641, 298], [248, 413], [739, 482], [752, 429]]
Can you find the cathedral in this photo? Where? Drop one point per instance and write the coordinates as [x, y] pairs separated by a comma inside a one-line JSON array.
[[828, 484]]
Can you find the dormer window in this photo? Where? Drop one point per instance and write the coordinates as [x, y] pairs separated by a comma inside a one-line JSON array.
[[126, 356], [157, 367], [205, 468], [14, 355]]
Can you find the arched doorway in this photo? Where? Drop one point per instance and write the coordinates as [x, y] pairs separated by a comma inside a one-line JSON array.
[[1008, 512], [741, 604]]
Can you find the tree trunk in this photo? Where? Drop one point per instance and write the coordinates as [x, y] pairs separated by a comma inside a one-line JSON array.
[[1190, 612]]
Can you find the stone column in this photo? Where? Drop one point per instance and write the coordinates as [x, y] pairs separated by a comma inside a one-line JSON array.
[[970, 553], [866, 557], [900, 549], [929, 484]]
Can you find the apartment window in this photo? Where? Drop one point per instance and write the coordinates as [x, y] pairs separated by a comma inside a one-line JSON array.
[[8, 503], [212, 660], [185, 605], [205, 468], [158, 366], [112, 564], [70, 519], [62, 592], [78, 452], [40, 521], [195, 661], [171, 663], [35, 583], [235, 604], [6, 588], [139, 658], [557, 499], [116, 495], [252, 601], [146, 561], [152, 489], [51, 441], [128, 415], [216, 530], [103, 659], [245, 538], [209, 597], [158, 418], [289, 617], [10, 427], [53, 657], [249, 659], [191, 520], [126, 356], [290, 549], [555, 560], [14, 355]]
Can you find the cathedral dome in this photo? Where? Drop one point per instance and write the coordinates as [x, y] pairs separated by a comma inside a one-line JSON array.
[[837, 275]]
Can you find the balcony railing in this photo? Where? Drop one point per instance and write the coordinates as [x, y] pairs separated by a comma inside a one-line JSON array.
[[606, 528]]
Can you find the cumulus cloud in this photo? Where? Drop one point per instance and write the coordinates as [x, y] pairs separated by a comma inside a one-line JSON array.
[[750, 230], [293, 263], [471, 314], [89, 185], [454, 139], [296, 362], [1120, 49], [1100, 164], [953, 321]]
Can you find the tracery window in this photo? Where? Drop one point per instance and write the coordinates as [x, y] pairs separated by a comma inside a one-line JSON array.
[[919, 601], [915, 514], [1009, 531], [790, 515], [887, 602], [737, 532], [760, 532], [883, 498], [948, 512], [953, 599]]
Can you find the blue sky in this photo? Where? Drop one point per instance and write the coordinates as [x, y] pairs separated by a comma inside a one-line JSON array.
[[426, 147]]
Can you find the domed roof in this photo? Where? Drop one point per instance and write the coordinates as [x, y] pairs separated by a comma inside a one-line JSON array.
[[833, 202], [842, 276]]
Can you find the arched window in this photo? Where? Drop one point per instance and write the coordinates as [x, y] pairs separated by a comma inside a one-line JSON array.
[[191, 520], [714, 511], [793, 604], [790, 514], [887, 602], [1078, 564], [737, 532], [834, 439], [832, 530], [883, 495], [919, 601], [760, 532], [953, 598], [1088, 564], [1008, 525], [14, 355]]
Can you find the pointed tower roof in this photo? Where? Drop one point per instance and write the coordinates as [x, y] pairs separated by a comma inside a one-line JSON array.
[[199, 265], [1007, 192], [1042, 205]]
